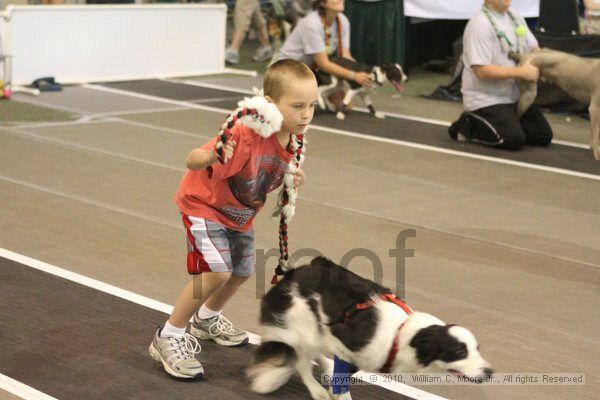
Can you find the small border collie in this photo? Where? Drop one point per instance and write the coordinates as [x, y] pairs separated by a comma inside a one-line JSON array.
[[329, 84], [324, 308]]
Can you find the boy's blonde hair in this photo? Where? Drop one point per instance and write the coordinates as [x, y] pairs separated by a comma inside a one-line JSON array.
[[281, 74]]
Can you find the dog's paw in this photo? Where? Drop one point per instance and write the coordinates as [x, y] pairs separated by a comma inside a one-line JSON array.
[[340, 115], [379, 114]]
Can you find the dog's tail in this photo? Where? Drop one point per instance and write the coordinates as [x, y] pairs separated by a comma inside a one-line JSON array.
[[272, 367]]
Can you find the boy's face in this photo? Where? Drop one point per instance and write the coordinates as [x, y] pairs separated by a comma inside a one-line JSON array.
[[297, 105]]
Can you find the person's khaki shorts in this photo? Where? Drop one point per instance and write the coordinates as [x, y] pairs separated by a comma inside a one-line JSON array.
[[589, 26], [248, 12]]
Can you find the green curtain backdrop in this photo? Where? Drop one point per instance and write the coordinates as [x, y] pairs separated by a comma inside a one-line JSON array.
[[377, 30]]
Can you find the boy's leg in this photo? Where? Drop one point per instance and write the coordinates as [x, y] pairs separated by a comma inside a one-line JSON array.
[[537, 130], [195, 293], [218, 327], [222, 294], [209, 261]]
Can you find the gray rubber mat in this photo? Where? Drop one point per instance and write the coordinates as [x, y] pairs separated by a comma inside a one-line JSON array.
[[556, 155], [74, 342]]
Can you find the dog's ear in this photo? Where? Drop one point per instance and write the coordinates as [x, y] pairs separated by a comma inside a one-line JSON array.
[[426, 343]]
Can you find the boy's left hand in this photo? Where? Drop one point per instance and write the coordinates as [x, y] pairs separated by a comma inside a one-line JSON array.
[[299, 178]]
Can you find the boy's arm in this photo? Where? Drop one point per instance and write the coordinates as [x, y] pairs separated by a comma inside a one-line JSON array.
[[200, 158]]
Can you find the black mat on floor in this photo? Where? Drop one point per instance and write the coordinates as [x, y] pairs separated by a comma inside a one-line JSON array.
[[556, 155], [74, 342]]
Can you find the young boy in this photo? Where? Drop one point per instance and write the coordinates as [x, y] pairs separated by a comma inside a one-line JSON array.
[[218, 202]]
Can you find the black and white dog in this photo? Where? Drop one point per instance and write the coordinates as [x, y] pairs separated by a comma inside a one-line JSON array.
[[323, 307], [329, 84]]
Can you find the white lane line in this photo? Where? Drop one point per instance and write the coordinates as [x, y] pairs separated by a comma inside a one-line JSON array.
[[22, 390], [363, 136], [167, 309], [571, 144], [461, 153]]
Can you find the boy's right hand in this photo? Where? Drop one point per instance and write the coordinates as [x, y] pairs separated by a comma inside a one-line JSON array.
[[529, 72]]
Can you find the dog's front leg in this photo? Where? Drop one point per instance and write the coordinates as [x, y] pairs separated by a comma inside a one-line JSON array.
[[326, 364], [595, 125], [341, 114], [304, 369], [323, 93], [367, 100]]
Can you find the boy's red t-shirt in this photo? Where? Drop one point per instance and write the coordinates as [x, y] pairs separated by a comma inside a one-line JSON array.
[[231, 194]]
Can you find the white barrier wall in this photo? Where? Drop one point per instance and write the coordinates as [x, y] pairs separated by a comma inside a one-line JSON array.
[[462, 9], [94, 43]]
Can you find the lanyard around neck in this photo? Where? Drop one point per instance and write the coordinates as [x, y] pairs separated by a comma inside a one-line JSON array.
[[328, 49], [501, 35]]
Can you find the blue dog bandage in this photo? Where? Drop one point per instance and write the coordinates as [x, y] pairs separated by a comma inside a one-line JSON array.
[[342, 374]]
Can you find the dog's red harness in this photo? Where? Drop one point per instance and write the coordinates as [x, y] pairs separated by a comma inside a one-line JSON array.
[[394, 350]]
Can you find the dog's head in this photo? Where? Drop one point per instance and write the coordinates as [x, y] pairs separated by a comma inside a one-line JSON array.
[[447, 348], [394, 74]]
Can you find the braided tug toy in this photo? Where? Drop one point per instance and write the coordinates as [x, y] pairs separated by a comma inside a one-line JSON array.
[[265, 119]]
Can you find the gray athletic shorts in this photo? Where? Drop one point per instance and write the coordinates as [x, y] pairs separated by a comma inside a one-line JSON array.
[[213, 247]]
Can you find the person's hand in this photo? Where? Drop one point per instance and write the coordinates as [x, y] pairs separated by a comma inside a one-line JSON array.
[[529, 72], [363, 79], [299, 178]]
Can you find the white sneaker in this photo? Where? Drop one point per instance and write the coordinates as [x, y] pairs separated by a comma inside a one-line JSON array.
[[218, 329], [232, 56], [263, 53], [177, 355]]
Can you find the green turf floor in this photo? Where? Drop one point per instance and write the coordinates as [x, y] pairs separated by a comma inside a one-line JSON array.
[[14, 112]]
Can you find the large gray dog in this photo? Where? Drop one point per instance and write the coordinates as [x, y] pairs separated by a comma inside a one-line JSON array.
[[579, 77]]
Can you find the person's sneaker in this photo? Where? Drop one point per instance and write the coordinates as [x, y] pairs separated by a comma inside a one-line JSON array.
[[232, 56], [219, 329], [455, 129], [177, 355], [263, 53]]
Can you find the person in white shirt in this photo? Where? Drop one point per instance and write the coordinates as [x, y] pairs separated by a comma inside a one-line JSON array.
[[490, 82], [321, 37]]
